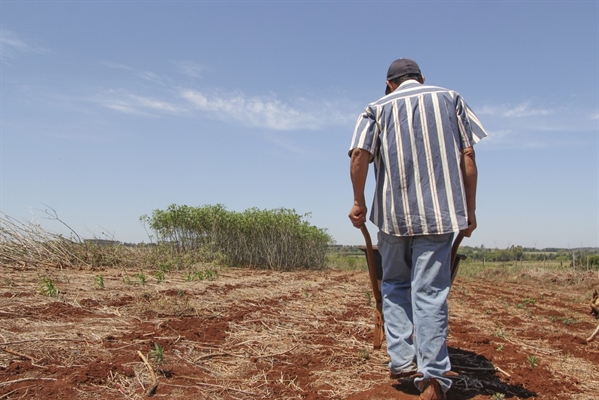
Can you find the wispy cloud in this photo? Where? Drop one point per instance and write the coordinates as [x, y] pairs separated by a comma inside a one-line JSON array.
[[150, 76], [288, 145], [11, 45], [129, 103], [525, 109], [190, 68], [261, 112], [115, 65], [532, 126]]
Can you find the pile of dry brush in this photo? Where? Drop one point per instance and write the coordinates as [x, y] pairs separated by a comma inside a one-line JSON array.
[[27, 244]]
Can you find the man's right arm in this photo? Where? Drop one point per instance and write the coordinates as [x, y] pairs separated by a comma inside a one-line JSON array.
[[470, 176], [358, 172]]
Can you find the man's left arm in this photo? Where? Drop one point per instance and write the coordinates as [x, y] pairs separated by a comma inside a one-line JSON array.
[[470, 176]]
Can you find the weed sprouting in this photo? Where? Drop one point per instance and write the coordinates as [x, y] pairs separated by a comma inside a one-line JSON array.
[[532, 360], [500, 333], [364, 354], [48, 288], [157, 354], [369, 298], [159, 275], [99, 281], [141, 277]]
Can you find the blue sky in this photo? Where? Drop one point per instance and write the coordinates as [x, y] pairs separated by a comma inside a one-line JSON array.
[[111, 109]]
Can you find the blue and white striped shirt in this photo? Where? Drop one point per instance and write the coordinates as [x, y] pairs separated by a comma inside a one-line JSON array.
[[416, 135]]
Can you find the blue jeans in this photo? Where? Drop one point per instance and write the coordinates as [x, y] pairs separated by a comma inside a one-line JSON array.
[[416, 280]]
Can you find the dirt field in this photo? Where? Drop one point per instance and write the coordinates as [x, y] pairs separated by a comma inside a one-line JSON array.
[[270, 335]]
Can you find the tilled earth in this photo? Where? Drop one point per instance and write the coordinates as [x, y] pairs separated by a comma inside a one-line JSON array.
[[248, 334]]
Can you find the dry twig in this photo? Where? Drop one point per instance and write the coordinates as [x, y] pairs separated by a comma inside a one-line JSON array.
[[593, 335], [25, 380], [152, 389]]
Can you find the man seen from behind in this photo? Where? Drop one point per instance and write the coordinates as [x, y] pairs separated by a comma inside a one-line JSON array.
[[420, 139]]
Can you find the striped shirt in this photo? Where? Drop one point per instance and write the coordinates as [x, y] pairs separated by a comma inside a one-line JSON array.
[[415, 136]]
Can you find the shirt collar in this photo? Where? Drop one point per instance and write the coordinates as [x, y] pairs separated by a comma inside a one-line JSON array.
[[408, 82]]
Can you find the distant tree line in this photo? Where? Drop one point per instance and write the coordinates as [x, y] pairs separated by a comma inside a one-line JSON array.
[[578, 258]]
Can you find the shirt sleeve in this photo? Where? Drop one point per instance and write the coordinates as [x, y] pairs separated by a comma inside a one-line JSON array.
[[366, 133], [471, 130]]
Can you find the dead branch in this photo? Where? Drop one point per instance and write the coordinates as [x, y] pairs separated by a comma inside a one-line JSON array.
[[503, 372], [16, 353], [213, 386], [27, 243], [593, 335], [152, 389], [277, 354], [43, 340], [25, 380]]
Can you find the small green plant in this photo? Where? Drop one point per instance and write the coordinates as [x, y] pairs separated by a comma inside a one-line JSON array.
[[498, 396], [99, 281], [532, 360], [159, 276], [499, 348], [48, 288], [364, 354], [189, 276], [157, 354], [369, 298], [127, 280], [141, 277], [165, 267], [210, 274], [500, 333], [569, 321], [489, 312], [530, 302]]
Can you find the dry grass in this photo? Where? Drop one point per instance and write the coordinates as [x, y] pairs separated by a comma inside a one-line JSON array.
[[251, 334]]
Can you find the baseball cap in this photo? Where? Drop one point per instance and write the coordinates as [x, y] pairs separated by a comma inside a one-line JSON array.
[[401, 67]]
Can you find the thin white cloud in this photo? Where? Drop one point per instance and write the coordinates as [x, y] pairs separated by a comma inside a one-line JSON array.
[[150, 76], [515, 111], [288, 145], [115, 65], [190, 69], [11, 45], [128, 103], [267, 113]]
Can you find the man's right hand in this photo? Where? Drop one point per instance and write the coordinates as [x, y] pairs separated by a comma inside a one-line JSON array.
[[471, 225], [357, 215]]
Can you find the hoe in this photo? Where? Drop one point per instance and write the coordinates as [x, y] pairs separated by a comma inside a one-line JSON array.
[[375, 271]]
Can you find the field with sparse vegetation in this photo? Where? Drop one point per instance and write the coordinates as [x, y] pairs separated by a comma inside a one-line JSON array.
[[86, 320]]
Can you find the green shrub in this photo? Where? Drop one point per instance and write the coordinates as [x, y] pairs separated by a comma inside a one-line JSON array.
[[274, 239]]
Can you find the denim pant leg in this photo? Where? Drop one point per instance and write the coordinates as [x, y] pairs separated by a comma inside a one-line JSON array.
[[397, 300], [431, 278]]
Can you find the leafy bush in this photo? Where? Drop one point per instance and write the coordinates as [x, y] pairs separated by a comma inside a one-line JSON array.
[[274, 239]]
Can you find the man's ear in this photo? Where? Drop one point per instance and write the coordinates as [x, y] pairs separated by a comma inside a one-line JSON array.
[[422, 77], [392, 86]]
